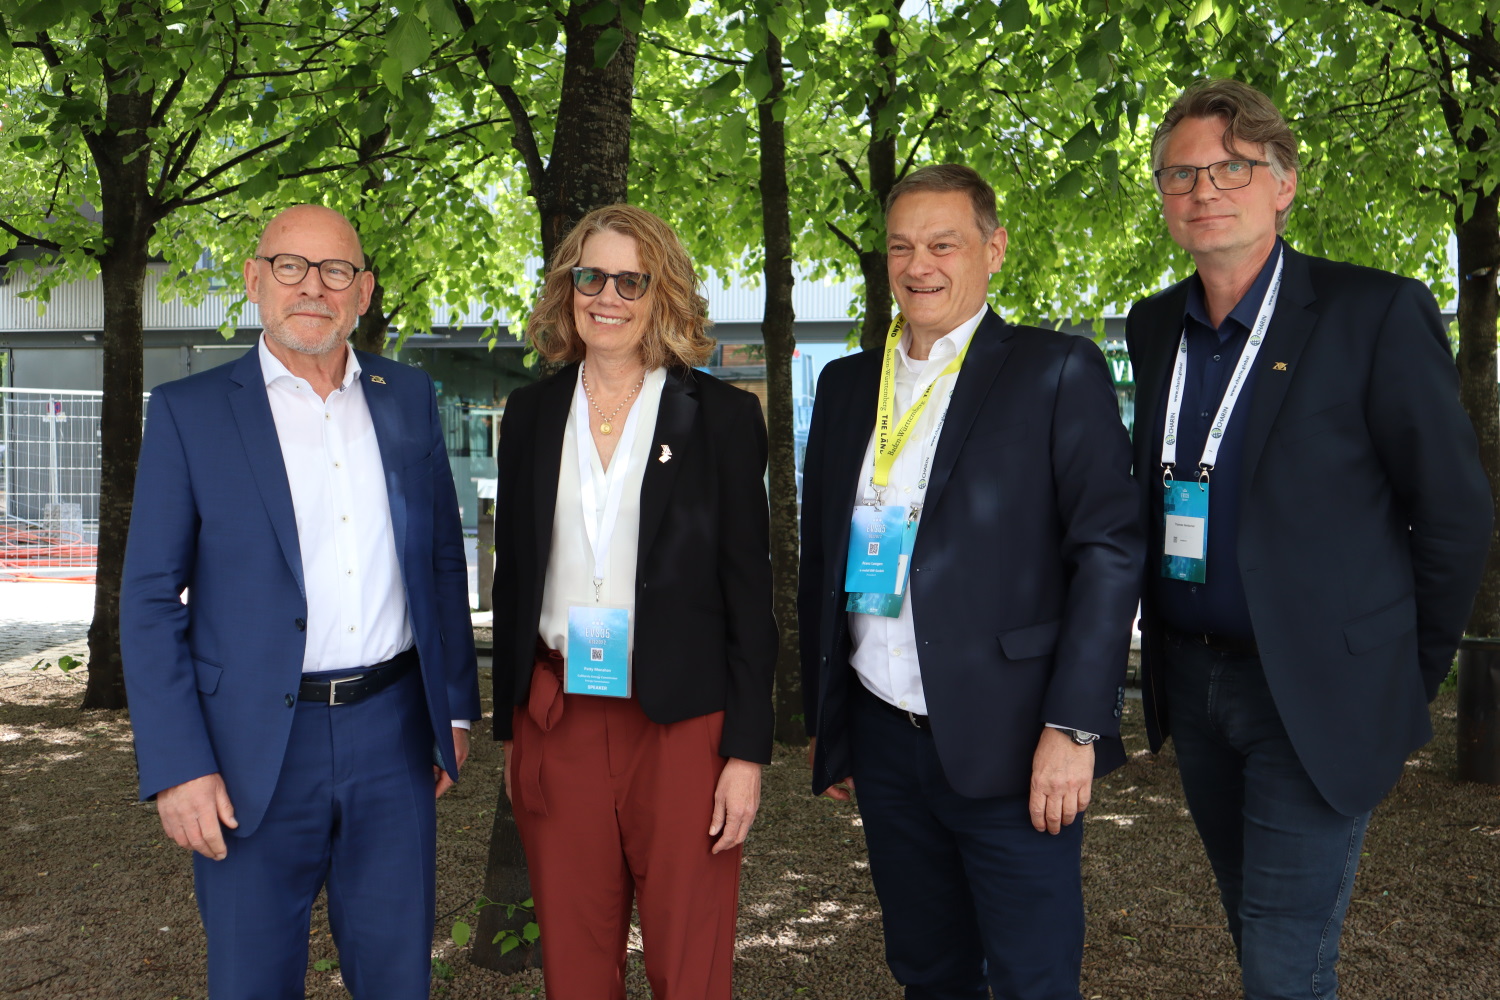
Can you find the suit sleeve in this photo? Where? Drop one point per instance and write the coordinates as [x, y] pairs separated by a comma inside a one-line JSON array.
[[745, 576], [810, 579], [171, 738], [450, 572], [1102, 545], [506, 592], [1427, 447]]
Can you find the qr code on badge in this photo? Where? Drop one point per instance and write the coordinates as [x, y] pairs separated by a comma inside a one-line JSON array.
[[596, 654], [874, 549]]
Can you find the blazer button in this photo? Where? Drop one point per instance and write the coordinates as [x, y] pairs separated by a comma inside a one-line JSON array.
[[301, 624], [290, 701]]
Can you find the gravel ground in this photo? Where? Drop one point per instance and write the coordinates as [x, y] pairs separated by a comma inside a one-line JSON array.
[[94, 902]]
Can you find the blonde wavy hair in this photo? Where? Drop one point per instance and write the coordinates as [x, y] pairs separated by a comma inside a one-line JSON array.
[[677, 323]]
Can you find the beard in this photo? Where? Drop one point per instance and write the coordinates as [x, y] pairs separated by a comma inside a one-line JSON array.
[[305, 343]]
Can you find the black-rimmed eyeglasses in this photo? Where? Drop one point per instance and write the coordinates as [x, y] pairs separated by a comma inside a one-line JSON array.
[[591, 281], [290, 269], [1227, 175]]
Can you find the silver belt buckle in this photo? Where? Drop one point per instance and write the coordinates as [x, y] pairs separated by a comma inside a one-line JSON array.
[[333, 685], [912, 718]]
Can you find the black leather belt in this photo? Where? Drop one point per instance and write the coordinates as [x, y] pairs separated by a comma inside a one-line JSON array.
[[350, 688], [920, 721], [1218, 643]]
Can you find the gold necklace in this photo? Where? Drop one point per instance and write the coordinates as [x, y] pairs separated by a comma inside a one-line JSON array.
[[607, 424]]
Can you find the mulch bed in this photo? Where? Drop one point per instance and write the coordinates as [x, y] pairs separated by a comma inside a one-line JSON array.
[[95, 902]]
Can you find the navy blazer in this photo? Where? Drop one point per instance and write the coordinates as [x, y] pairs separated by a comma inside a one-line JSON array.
[[212, 683], [1364, 514], [705, 636], [1026, 569]]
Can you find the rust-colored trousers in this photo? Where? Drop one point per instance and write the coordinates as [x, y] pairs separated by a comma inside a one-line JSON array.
[[611, 805]]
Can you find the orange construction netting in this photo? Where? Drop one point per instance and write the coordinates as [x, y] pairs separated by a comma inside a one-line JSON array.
[[23, 549]]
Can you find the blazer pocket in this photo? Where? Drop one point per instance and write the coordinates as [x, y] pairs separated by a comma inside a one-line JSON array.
[[1030, 642], [1380, 627], [208, 675], [421, 467], [998, 437], [1297, 428]]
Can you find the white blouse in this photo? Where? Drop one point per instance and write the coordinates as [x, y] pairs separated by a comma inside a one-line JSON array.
[[570, 562]]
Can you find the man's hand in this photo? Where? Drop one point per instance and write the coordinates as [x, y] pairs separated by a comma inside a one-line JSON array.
[[736, 799], [192, 812], [1062, 775], [840, 791], [460, 753], [509, 747]]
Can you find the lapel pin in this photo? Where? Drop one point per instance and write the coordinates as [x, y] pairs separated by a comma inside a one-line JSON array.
[[1279, 366], [378, 379], [665, 456]]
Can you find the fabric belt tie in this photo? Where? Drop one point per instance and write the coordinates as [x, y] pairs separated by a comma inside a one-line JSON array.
[[351, 688], [545, 707]]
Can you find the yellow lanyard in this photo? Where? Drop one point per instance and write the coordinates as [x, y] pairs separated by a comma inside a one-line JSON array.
[[891, 436]]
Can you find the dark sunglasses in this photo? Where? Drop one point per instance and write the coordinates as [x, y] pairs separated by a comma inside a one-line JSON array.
[[591, 281]]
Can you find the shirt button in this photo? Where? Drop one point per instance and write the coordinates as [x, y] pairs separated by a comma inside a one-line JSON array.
[[340, 465], [351, 628], [329, 416], [896, 651], [903, 702], [343, 517], [348, 572]]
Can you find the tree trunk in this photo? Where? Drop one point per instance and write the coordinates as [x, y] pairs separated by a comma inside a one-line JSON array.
[[588, 169], [1478, 312], [127, 227], [881, 158], [590, 163], [374, 325], [777, 330]]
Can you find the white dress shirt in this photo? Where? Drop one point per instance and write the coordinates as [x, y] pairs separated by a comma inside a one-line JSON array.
[[570, 563], [885, 649], [356, 599]]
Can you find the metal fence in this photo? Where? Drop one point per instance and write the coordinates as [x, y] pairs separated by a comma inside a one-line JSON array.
[[49, 481]]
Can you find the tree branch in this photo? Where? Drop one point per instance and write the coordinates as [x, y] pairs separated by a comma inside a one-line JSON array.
[[844, 238], [661, 43], [36, 240], [849, 172]]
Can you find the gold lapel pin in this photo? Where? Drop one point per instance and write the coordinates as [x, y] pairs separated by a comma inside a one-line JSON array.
[[1279, 366], [378, 379], [665, 456]]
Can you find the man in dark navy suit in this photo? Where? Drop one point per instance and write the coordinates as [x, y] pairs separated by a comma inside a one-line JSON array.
[[295, 627], [1318, 524], [970, 565]]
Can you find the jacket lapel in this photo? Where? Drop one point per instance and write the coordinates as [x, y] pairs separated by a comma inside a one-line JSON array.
[[674, 425], [551, 425], [987, 353], [386, 417], [252, 415], [1291, 325]]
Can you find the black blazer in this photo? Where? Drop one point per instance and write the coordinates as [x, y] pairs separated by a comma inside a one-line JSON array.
[[1026, 569], [1364, 514], [705, 638]]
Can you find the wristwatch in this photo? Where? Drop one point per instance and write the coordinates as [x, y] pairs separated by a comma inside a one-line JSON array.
[[1080, 737]]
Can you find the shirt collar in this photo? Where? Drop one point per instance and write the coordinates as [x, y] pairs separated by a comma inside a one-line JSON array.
[[272, 369], [1246, 309], [947, 347]]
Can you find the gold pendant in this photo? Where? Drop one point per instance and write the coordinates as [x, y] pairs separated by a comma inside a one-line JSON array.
[[606, 427]]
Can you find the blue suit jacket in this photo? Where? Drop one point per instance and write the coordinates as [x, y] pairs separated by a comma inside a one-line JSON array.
[[1026, 569], [213, 682]]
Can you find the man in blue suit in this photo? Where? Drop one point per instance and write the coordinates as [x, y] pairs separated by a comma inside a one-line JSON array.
[[295, 628], [970, 565]]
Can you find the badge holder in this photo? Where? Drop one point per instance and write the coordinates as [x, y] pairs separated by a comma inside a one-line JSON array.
[[881, 538], [1185, 528], [598, 651]]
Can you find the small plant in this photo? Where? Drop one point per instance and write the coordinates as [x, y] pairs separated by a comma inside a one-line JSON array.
[[508, 940], [326, 964], [64, 663], [441, 970]]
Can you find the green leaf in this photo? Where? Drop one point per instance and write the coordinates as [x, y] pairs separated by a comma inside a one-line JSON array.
[[758, 77], [600, 13], [460, 934], [1201, 13], [1069, 185], [877, 22], [509, 945], [409, 43], [721, 89], [1015, 15], [530, 932], [1083, 145], [391, 74], [442, 17], [609, 42], [732, 135]]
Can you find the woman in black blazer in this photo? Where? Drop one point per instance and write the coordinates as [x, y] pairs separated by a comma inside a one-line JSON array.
[[634, 640]]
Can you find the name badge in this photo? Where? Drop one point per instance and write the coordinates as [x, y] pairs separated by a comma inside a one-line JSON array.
[[1185, 532], [880, 546], [598, 651]]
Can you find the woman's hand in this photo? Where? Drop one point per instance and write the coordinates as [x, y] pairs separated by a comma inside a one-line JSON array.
[[736, 799]]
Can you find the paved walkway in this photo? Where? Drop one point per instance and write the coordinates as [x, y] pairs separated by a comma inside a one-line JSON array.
[[37, 618]]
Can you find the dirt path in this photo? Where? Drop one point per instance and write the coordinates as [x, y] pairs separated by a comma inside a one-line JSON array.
[[94, 902]]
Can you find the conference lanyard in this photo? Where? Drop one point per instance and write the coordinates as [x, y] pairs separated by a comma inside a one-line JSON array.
[[600, 525], [1231, 392], [890, 435]]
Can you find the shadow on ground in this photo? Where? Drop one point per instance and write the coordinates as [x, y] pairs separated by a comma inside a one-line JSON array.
[[94, 902]]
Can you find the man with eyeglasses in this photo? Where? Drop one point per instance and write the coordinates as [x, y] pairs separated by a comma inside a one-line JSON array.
[[295, 628], [1318, 523]]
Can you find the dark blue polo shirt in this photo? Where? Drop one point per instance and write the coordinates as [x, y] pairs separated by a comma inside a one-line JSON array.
[[1218, 605]]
